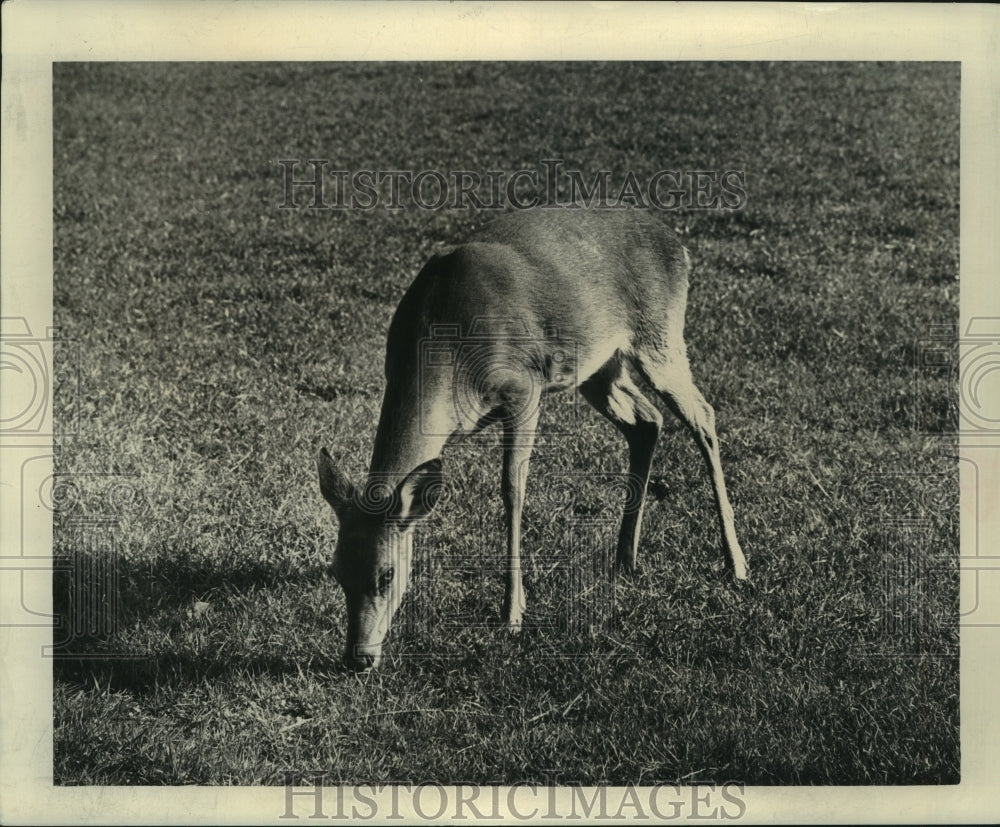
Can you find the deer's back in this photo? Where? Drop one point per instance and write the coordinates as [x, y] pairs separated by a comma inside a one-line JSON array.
[[617, 274]]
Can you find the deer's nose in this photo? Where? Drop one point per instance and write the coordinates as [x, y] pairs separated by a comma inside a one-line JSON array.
[[361, 660]]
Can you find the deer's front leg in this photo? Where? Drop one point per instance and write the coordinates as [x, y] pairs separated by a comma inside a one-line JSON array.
[[518, 440]]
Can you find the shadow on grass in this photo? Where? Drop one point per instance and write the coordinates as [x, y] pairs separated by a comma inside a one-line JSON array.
[[85, 583], [142, 674], [95, 605]]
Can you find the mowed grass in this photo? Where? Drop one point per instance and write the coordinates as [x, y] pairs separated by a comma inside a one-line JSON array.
[[224, 340]]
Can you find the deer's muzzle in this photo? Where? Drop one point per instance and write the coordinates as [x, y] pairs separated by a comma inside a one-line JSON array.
[[362, 658]]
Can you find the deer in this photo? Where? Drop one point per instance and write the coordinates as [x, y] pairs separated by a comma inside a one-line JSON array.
[[538, 301]]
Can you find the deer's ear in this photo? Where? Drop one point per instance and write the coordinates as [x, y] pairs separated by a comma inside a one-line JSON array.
[[419, 492], [336, 487]]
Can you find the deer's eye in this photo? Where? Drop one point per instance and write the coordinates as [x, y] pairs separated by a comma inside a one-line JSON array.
[[385, 581]]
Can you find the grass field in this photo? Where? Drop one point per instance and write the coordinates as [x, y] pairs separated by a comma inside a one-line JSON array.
[[223, 340]]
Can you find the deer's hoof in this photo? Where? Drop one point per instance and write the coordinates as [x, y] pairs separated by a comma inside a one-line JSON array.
[[513, 622], [627, 568]]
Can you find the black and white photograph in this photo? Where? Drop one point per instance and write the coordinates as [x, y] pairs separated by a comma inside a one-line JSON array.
[[513, 435]]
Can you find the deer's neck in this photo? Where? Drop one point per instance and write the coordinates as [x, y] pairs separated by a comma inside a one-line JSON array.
[[413, 427]]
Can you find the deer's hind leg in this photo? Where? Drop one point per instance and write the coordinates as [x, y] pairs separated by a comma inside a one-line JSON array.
[[671, 376], [613, 393]]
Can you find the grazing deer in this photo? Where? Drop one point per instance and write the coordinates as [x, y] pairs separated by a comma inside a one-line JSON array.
[[538, 301]]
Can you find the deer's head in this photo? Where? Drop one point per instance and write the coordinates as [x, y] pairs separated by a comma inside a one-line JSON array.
[[374, 550]]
